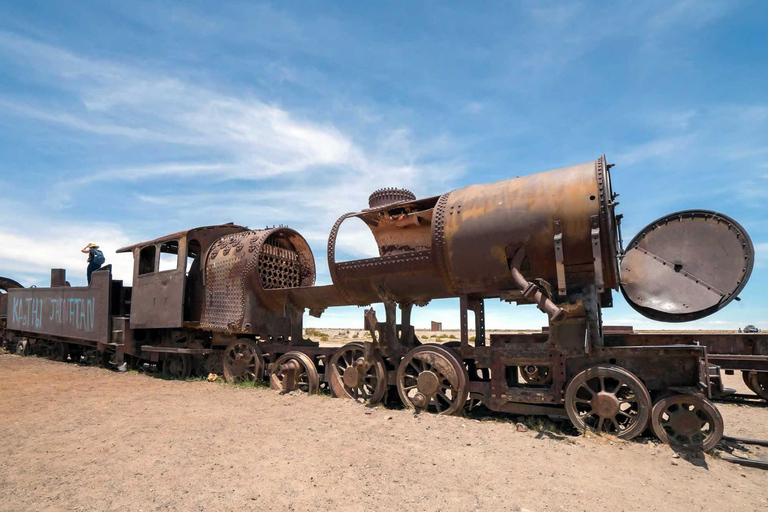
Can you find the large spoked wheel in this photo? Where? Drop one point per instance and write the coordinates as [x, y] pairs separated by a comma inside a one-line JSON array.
[[294, 371], [431, 378], [473, 372], [243, 362], [352, 377], [177, 366], [757, 382], [610, 399], [687, 421], [536, 375]]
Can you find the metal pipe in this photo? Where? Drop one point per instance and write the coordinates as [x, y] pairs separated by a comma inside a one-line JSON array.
[[532, 292]]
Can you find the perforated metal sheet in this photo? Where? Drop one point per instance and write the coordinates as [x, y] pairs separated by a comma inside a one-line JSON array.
[[224, 291]]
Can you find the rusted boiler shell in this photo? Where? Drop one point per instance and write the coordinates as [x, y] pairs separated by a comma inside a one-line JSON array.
[[465, 241], [481, 227], [240, 267]]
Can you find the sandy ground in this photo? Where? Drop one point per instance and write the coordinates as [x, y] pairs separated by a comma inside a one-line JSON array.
[[84, 438]]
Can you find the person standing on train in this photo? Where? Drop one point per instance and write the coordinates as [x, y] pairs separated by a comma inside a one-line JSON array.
[[95, 258]]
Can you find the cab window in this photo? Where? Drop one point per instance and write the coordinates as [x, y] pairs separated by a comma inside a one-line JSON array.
[[169, 256], [147, 260]]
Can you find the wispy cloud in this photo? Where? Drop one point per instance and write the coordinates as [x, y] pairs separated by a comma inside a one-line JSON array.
[[243, 138], [28, 251], [654, 149], [314, 171]]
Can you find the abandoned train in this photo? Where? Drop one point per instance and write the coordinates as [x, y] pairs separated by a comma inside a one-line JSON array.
[[230, 300]]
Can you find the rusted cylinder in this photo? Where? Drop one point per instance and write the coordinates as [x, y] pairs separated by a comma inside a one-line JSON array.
[[290, 366], [463, 242], [484, 225]]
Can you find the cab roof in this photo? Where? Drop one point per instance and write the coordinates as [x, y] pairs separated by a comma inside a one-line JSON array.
[[229, 227]]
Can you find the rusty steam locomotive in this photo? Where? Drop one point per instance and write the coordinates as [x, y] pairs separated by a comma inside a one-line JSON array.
[[228, 299]]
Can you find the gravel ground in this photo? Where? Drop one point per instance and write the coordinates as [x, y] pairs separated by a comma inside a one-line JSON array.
[[78, 438]]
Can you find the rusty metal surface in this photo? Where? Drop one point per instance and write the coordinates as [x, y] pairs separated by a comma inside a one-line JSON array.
[[608, 398], [688, 422], [240, 270], [79, 313], [5, 285], [463, 241], [166, 299], [717, 344], [485, 225], [549, 239], [686, 265], [217, 229]]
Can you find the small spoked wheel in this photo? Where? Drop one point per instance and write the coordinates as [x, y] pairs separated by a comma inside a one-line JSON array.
[[757, 382], [177, 366], [687, 421], [352, 377], [432, 378], [294, 371], [243, 362], [536, 375], [607, 398]]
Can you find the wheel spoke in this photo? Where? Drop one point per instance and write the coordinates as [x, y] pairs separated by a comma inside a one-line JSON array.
[[444, 396], [591, 392]]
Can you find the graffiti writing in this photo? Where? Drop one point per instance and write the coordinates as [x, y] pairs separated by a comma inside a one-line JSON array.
[[40, 313]]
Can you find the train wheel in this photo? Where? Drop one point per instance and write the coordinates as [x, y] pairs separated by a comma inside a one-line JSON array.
[[610, 399], [474, 373], [687, 421], [745, 378], [177, 366], [22, 347], [243, 362], [431, 378], [536, 375], [351, 377], [757, 382], [294, 371], [59, 351]]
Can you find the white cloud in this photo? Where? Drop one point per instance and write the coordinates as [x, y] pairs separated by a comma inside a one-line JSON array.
[[654, 149], [315, 171], [227, 137], [761, 255], [29, 256]]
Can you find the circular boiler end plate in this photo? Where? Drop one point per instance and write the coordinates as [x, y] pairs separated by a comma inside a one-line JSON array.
[[686, 266]]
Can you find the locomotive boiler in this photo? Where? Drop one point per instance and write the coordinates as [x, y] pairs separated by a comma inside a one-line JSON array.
[[231, 300]]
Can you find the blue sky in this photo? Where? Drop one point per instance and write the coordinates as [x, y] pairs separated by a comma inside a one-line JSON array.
[[124, 121]]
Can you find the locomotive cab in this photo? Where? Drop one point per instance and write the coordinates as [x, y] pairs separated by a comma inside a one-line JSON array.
[[168, 277]]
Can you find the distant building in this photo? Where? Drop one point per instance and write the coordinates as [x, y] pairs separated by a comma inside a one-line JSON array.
[[437, 326]]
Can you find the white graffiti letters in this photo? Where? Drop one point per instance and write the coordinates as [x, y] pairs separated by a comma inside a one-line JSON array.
[[38, 313]]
